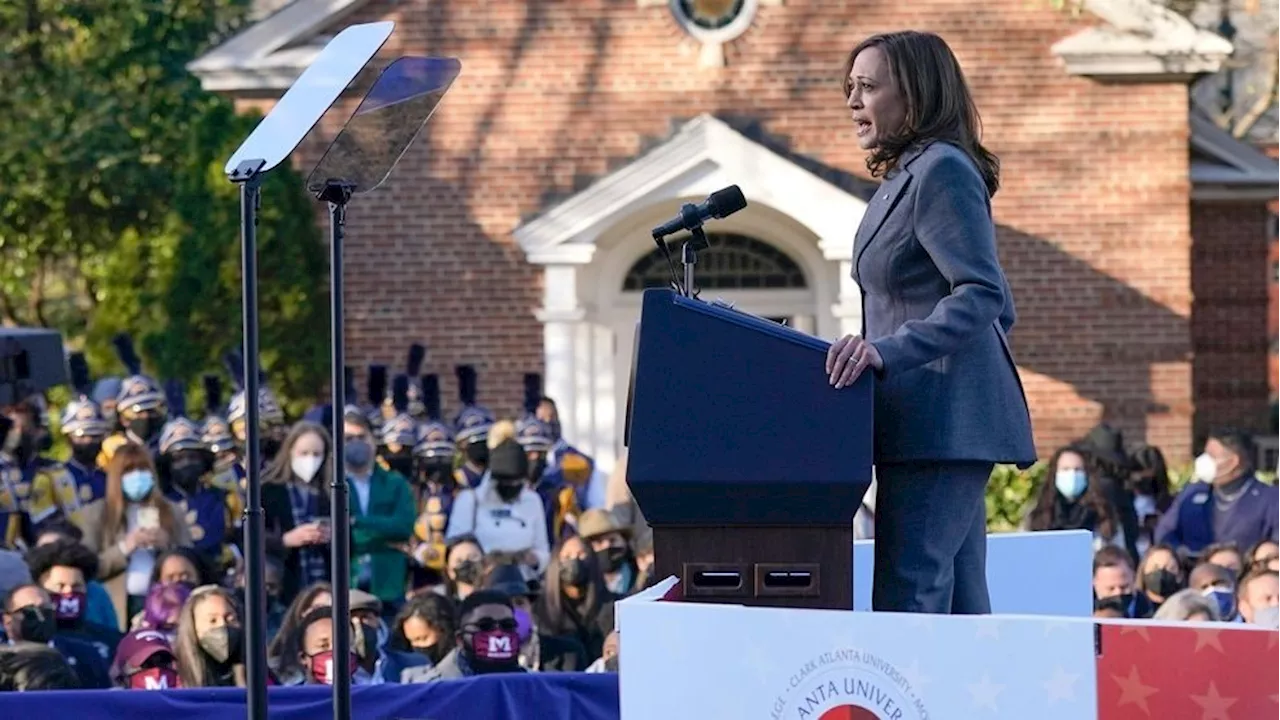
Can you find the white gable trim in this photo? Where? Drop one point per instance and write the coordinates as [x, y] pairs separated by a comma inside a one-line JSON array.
[[1238, 171], [704, 148], [1141, 40], [271, 53]]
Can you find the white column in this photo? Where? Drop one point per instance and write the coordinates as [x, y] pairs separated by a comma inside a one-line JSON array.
[[848, 307], [560, 316]]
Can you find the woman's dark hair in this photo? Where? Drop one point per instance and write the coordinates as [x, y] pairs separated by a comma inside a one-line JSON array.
[[204, 576], [437, 611], [35, 667], [62, 553], [450, 584], [1252, 553], [1148, 464], [939, 103], [285, 646], [281, 468], [1044, 516], [551, 609]]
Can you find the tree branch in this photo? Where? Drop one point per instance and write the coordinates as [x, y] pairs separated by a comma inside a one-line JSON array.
[[35, 301], [1265, 101], [8, 309]]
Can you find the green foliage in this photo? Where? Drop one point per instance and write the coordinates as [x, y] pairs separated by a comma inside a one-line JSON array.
[[1010, 494], [116, 215]]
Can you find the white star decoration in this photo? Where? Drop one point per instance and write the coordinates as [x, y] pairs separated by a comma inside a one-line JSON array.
[[913, 675], [1061, 686], [985, 693], [1213, 705], [1209, 638]]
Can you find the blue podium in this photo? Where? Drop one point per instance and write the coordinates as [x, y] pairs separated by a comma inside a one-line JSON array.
[[746, 462]]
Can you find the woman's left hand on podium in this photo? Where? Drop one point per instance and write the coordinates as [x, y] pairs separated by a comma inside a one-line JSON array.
[[848, 357]]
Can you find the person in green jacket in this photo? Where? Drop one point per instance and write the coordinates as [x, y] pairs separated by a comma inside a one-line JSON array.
[[382, 516]]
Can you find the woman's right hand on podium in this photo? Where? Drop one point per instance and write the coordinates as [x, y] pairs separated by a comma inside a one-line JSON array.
[[848, 357]]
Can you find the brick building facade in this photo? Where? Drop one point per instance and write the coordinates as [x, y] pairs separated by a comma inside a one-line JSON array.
[[514, 232]]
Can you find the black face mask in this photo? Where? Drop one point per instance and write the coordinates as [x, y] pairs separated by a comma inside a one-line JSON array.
[[468, 572], [434, 471], [86, 454], [1162, 582], [269, 446], [611, 664], [612, 558], [25, 451], [186, 474], [507, 489], [537, 467], [364, 641], [1117, 603], [36, 624], [401, 462], [478, 454], [573, 572], [145, 426], [430, 652]]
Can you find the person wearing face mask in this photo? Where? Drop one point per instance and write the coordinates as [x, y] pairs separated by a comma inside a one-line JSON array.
[[464, 567], [571, 464], [1227, 503], [434, 452], [215, 432], [145, 661], [1217, 584], [64, 569], [29, 617], [399, 433], [471, 425], [271, 420], [1113, 584], [140, 406], [316, 649], [1068, 501], [1160, 576], [1149, 485], [129, 527], [539, 651], [487, 641], [40, 486], [382, 516], [295, 501], [185, 469], [561, 499], [85, 428], [210, 642], [503, 513], [424, 627], [575, 602], [1258, 596], [610, 541]]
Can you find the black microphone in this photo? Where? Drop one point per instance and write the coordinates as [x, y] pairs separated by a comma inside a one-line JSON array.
[[720, 204]]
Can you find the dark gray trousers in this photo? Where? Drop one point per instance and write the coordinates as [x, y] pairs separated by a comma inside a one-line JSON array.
[[931, 538]]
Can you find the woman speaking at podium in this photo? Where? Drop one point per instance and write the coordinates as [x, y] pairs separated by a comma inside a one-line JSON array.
[[936, 312]]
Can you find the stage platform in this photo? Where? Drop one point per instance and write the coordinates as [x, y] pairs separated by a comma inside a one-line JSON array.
[[531, 696]]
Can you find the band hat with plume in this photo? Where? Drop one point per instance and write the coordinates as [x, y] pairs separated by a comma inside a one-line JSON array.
[[435, 437], [138, 392], [180, 432], [215, 431], [269, 411], [401, 431], [473, 421], [82, 417]]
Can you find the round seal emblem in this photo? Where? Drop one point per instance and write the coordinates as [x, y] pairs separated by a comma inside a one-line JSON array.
[[849, 684]]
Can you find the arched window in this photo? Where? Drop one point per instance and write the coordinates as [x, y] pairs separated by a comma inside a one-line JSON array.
[[733, 262]]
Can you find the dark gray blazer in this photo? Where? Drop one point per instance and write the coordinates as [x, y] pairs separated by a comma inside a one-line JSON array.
[[937, 306]]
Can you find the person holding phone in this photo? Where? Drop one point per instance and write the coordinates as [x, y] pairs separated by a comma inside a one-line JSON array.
[[295, 499], [130, 527]]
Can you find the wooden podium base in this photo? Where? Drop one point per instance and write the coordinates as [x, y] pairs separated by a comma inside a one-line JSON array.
[[770, 566]]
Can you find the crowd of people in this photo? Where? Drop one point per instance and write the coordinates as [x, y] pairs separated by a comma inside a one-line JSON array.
[[478, 544], [1207, 553]]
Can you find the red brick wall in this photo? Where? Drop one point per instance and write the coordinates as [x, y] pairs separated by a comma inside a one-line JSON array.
[[1094, 213], [1229, 321]]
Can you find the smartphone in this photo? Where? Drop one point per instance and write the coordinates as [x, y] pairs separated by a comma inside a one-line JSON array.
[[148, 518]]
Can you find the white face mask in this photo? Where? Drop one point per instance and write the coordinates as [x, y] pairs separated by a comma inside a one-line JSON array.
[[1206, 468], [306, 466]]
